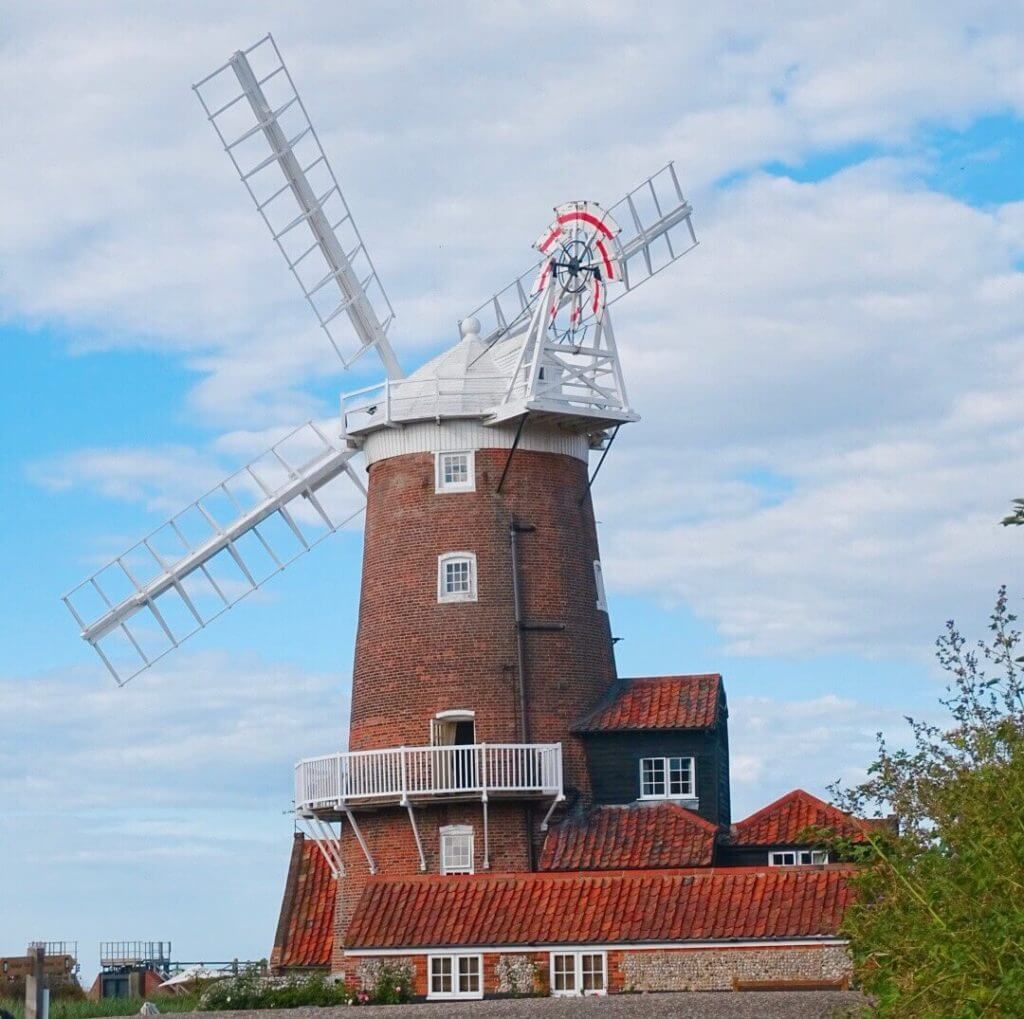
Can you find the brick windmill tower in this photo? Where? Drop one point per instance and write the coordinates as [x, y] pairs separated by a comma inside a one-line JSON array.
[[483, 627]]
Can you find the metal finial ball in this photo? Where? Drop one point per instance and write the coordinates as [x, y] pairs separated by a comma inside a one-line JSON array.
[[470, 327]]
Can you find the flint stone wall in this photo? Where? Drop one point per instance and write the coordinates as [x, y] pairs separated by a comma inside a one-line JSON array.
[[716, 970]]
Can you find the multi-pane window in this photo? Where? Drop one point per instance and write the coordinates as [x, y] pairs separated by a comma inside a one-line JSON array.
[[455, 472], [456, 577], [469, 977], [441, 975], [666, 778], [574, 973], [456, 976], [592, 972], [457, 849], [797, 857], [563, 973]]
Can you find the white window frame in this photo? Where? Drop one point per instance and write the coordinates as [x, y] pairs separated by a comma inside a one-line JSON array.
[[602, 598], [445, 596], [455, 976], [666, 771], [453, 831], [577, 990], [801, 857], [443, 487]]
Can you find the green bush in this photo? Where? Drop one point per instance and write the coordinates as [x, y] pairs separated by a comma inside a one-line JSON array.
[[251, 990], [937, 928], [392, 984]]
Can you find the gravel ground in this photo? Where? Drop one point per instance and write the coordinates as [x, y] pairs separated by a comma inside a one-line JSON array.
[[726, 1005]]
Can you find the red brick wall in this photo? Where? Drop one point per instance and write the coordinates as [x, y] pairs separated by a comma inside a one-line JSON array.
[[415, 657], [389, 837]]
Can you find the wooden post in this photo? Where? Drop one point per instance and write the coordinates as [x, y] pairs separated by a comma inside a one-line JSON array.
[[35, 992]]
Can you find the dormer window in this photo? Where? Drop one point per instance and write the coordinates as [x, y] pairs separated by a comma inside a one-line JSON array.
[[797, 857], [456, 577], [666, 778], [455, 472]]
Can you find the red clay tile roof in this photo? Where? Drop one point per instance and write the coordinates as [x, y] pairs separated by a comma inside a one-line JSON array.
[[637, 837], [780, 823], [658, 702], [624, 907], [305, 932]]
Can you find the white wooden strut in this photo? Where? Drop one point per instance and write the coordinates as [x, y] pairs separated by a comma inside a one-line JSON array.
[[562, 378], [354, 300]]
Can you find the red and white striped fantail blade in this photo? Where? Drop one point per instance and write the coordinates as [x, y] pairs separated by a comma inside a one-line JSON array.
[[584, 230]]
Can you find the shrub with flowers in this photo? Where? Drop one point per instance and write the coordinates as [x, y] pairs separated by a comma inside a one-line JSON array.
[[517, 975], [252, 990], [384, 981]]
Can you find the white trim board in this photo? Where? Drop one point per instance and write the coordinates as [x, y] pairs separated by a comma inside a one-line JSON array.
[[646, 946]]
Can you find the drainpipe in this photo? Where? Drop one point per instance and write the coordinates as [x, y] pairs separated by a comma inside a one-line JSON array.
[[517, 602], [515, 529]]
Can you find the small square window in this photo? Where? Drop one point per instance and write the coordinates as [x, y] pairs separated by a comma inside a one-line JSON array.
[[457, 849], [455, 472], [456, 577]]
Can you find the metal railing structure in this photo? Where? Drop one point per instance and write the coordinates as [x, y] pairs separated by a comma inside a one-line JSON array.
[[56, 947], [135, 953], [394, 401], [333, 786], [400, 774]]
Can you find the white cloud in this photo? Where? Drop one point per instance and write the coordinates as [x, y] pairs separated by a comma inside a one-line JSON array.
[[203, 730], [832, 424], [137, 235], [777, 745]]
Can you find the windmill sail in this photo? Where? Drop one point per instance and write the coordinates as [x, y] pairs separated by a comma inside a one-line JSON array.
[[657, 229], [224, 546], [265, 130]]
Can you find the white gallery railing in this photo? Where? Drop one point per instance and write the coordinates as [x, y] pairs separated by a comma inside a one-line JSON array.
[[403, 773], [396, 400]]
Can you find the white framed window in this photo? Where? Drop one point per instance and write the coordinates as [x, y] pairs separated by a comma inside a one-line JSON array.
[[602, 600], [457, 849], [578, 973], [455, 976], [456, 577], [455, 472], [666, 778], [796, 857]]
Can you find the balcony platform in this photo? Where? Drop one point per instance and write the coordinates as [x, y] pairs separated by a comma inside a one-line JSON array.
[[331, 786], [334, 787]]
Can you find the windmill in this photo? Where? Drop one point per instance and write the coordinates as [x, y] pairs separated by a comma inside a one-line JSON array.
[[539, 354]]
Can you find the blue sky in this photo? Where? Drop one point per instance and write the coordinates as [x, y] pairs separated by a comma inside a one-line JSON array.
[[830, 387]]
